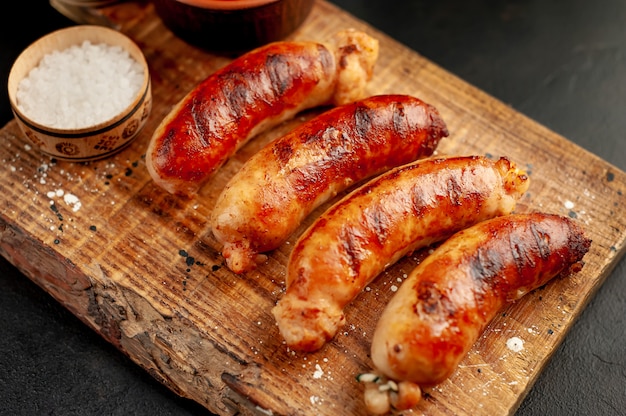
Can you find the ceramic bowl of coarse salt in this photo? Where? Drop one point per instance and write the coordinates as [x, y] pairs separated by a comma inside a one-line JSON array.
[[81, 93]]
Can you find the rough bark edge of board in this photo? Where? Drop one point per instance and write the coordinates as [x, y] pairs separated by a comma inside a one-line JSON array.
[[105, 307]]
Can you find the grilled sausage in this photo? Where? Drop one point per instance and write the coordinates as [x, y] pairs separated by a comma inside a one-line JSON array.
[[444, 305], [253, 93], [278, 187], [405, 209]]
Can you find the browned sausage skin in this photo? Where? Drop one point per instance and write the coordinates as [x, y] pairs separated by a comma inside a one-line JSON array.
[[446, 302], [253, 93], [407, 208], [267, 199]]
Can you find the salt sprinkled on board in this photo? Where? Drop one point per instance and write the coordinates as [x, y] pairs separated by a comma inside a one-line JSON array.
[[56, 193], [70, 199], [315, 400], [515, 344], [73, 201], [318, 372], [80, 86]]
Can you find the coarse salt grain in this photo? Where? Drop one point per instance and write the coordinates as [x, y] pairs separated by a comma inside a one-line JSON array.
[[318, 372], [515, 344], [73, 201], [56, 193], [80, 86]]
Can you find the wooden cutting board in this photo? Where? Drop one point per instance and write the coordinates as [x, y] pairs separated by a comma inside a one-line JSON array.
[[141, 268]]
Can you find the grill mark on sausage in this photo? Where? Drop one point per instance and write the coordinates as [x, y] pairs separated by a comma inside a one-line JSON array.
[[362, 121], [283, 152], [454, 190], [344, 52], [238, 95], [326, 59], [399, 119], [520, 254], [486, 266], [542, 241], [432, 301], [428, 297], [278, 69], [351, 246], [202, 127], [377, 220]]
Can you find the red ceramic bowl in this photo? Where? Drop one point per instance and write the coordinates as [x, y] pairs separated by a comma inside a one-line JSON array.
[[232, 25]]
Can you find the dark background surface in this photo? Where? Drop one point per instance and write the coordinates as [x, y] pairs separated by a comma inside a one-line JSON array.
[[562, 63]]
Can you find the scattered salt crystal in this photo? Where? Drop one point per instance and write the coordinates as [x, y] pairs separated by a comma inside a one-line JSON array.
[[394, 288], [515, 344], [73, 201], [56, 193], [318, 372], [569, 204], [80, 86]]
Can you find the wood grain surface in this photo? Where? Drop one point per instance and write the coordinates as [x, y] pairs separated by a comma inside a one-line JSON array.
[[142, 269]]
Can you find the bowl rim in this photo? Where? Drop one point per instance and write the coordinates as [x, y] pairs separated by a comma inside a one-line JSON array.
[[64, 38], [227, 4], [88, 3]]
